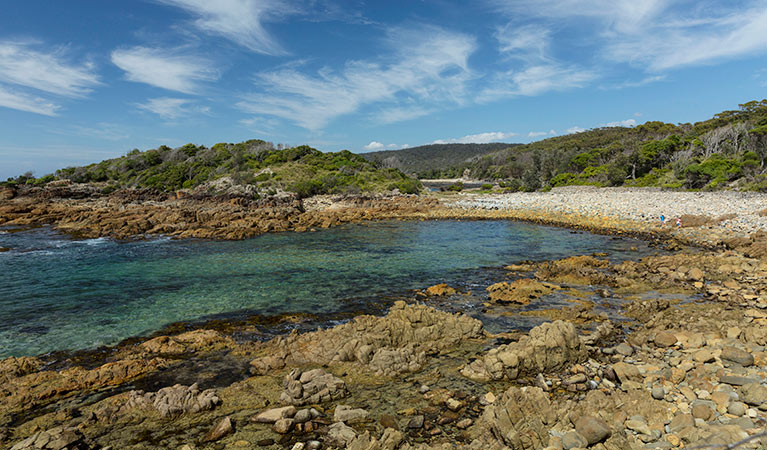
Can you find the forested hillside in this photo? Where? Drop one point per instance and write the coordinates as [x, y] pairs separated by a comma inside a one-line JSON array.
[[435, 160], [255, 165], [727, 151]]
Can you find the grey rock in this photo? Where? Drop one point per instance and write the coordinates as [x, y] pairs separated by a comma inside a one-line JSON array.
[[174, 400], [737, 408], [753, 394], [592, 428], [340, 434], [59, 438], [738, 356], [347, 414], [736, 380], [302, 416], [319, 387], [658, 393], [416, 422], [274, 414], [624, 349], [313, 445], [572, 439], [638, 426]]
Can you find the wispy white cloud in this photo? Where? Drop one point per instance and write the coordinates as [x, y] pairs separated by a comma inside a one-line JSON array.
[[575, 129], [172, 108], [535, 80], [628, 123], [400, 114], [50, 72], [33, 72], [23, 102], [240, 21], [535, 134], [373, 145], [164, 69], [481, 138], [633, 84], [527, 42], [657, 35]]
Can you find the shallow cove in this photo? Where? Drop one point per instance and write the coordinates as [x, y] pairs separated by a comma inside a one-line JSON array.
[[65, 294]]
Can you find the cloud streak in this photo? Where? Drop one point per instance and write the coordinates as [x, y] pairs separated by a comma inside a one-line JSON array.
[[171, 108], [164, 69], [425, 66], [240, 21], [481, 138], [23, 102]]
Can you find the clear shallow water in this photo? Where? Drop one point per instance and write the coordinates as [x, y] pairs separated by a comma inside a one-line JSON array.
[[62, 294]]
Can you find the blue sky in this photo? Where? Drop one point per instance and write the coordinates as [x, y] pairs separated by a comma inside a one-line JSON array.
[[85, 80]]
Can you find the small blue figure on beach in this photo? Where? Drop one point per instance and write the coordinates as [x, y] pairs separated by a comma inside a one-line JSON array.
[[662, 219], [678, 222]]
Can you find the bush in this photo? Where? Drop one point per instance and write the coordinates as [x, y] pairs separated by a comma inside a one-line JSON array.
[[455, 187]]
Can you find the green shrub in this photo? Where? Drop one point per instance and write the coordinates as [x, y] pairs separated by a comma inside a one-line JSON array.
[[456, 187]]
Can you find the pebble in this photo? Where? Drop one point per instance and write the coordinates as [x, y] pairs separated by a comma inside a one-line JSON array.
[[658, 393]]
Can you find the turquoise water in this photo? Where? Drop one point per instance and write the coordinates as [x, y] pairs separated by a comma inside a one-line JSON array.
[[57, 293]]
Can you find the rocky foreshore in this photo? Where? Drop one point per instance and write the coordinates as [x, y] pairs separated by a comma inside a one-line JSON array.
[[669, 374], [679, 363]]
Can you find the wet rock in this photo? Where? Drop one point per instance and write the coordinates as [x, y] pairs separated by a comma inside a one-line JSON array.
[[224, 428], [464, 423], [265, 442], [593, 429], [389, 345], [738, 356], [349, 415], [275, 414], [340, 434], [174, 400], [388, 421], [283, 426], [59, 438], [312, 387], [416, 422], [302, 416], [440, 290], [547, 347], [520, 291]]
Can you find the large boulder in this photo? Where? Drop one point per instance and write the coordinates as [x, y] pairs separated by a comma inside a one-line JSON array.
[[548, 347], [59, 438]]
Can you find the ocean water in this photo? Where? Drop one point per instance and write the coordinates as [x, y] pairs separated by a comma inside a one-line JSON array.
[[58, 293]]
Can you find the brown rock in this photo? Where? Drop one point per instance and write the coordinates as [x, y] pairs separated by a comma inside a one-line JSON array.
[[224, 428], [388, 421], [702, 412], [664, 339], [593, 429], [738, 356], [283, 426], [440, 290], [520, 291]]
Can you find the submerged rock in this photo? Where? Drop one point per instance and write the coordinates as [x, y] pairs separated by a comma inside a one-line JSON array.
[[520, 291], [440, 290], [224, 428]]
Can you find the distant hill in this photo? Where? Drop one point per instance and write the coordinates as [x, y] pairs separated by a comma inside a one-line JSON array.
[[435, 160], [728, 151], [255, 166]]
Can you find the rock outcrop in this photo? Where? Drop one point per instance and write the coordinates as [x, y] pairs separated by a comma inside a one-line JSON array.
[[59, 438], [312, 387], [548, 347], [389, 345], [174, 400]]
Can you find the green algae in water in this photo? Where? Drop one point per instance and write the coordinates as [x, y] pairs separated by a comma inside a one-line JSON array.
[[64, 294]]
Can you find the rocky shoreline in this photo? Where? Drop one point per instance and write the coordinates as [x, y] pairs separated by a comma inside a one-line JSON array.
[[671, 373]]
